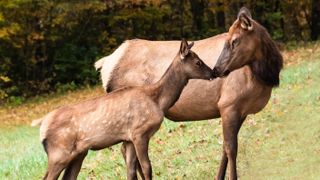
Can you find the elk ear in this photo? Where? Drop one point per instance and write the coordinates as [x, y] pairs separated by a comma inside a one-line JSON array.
[[245, 11], [244, 17], [184, 49]]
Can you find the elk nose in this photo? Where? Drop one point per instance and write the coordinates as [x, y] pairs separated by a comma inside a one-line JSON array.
[[215, 72], [226, 72]]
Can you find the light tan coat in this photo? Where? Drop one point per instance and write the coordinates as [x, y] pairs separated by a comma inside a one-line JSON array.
[[245, 58], [131, 114]]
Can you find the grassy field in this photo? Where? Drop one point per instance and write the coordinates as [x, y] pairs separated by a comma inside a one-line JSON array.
[[281, 142]]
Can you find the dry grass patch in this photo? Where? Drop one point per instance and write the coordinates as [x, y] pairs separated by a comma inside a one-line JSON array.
[[38, 106]]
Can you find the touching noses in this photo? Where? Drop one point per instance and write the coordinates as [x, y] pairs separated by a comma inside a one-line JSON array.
[[218, 72], [215, 72]]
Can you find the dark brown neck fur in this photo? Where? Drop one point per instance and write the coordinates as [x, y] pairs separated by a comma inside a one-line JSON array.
[[267, 69]]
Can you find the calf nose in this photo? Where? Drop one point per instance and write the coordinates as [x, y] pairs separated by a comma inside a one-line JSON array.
[[212, 75]]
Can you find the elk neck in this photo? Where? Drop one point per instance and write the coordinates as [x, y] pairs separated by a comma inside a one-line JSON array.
[[168, 89]]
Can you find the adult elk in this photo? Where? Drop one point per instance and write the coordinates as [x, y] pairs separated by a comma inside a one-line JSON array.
[[131, 115], [249, 67]]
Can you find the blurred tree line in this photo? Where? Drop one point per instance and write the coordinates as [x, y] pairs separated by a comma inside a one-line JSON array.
[[46, 45]]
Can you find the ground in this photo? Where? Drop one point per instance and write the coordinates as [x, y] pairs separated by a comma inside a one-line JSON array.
[[280, 142]]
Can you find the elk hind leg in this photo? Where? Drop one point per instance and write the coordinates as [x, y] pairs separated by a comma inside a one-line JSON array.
[[133, 164], [141, 147], [73, 169], [57, 161], [130, 156]]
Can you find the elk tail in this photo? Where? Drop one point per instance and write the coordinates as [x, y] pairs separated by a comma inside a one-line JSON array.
[[98, 65], [37, 122]]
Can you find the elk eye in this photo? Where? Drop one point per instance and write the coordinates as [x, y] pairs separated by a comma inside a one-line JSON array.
[[198, 63], [234, 43]]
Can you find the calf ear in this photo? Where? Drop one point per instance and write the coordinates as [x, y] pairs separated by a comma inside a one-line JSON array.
[[190, 45], [244, 17], [184, 50]]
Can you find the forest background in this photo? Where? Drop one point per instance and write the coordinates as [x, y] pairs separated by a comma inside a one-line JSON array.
[[48, 46]]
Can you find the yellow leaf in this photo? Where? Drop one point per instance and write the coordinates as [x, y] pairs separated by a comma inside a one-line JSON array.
[[5, 78]]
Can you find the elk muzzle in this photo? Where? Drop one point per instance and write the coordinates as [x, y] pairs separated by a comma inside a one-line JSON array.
[[218, 72]]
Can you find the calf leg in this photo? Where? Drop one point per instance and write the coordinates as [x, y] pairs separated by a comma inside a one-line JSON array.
[[231, 123], [141, 147], [131, 160], [57, 161], [138, 166], [73, 169]]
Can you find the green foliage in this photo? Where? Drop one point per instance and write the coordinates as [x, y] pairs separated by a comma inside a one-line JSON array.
[[74, 64], [16, 100], [45, 43], [274, 19], [62, 88]]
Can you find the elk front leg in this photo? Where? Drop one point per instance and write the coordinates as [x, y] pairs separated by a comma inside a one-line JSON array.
[[231, 123], [223, 165], [141, 146]]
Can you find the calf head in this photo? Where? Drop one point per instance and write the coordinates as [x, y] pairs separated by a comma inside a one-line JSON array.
[[191, 64]]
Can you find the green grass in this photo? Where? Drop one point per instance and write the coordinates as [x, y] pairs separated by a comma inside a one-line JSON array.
[[21, 154], [284, 144], [281, 142]]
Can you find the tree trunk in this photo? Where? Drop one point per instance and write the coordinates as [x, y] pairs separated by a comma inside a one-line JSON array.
[[197, 9], [231, 8], [315, 20], [181, 18], [220, 17]]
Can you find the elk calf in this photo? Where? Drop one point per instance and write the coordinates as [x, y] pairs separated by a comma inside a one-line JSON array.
[[131, 114]]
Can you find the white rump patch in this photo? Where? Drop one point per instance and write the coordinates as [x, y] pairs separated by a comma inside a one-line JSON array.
[[44, 127], [45, 124], [107, 64]]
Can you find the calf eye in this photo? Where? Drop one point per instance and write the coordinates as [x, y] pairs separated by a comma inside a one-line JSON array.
[[198, 63]]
